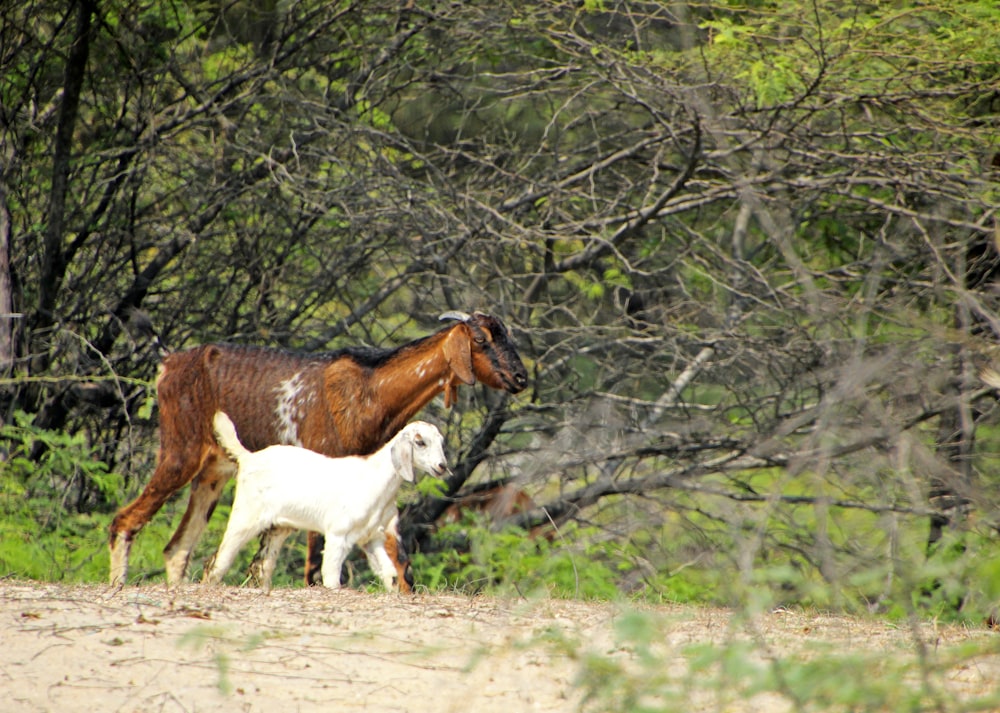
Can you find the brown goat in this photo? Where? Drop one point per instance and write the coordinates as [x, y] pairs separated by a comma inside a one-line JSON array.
[[497, 500], [347, 402]]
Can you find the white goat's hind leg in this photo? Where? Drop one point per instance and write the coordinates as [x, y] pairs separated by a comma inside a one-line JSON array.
[[334, 553], [237, 535], [270, 549], [380, 561]]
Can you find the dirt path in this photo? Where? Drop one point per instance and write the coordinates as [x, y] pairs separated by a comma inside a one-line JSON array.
[[90, 648]]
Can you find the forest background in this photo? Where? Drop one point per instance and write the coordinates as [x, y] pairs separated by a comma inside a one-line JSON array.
[[748, 251]]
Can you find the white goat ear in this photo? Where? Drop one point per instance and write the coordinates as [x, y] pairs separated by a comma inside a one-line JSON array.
[[402, 459]]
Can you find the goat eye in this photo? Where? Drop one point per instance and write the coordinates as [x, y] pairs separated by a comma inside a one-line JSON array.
[[479, 339], [419, 441]]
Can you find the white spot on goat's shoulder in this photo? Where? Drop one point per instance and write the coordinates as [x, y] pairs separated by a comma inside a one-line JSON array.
[[422, 368], [290, 408]]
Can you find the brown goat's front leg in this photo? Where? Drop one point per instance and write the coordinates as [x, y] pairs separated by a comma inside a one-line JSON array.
[[126, 524]]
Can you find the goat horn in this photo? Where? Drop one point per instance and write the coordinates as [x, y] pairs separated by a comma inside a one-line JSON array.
[[460, 316]]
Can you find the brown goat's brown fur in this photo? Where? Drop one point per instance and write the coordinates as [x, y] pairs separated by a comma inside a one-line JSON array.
[[342, 403], [498, 500]]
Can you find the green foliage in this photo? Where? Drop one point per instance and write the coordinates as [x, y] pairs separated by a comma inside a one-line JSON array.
[[43, 535], [431, 486], [960, 579], [64, 459], [777, 51], [509, 562]]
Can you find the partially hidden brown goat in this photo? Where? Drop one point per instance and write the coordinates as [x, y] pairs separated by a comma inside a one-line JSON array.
[[346, 402], [497, 500]]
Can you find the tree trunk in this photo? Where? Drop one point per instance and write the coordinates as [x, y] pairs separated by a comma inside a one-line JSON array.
[[7, 315], [54, 261]]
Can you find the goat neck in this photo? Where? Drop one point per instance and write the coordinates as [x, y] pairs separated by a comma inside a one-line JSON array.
[[381, 477], [409, 378]]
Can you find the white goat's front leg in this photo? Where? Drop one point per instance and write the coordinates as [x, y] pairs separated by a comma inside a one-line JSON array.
[[335, 552], [380, 561]]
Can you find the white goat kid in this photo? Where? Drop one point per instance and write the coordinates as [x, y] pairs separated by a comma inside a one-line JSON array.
[[351, 500]]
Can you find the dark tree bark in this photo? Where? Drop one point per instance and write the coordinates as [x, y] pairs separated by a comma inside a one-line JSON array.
[[55, 258]]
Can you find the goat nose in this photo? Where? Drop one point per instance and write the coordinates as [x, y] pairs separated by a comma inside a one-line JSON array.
[[521, 379]]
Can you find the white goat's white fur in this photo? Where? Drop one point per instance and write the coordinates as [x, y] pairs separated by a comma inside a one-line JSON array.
[[351, 500]]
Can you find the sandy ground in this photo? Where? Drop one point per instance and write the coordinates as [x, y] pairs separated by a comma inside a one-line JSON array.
[[193, 648]]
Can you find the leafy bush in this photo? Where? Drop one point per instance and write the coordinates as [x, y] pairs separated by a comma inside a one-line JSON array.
[[41, 537], [509, 562]]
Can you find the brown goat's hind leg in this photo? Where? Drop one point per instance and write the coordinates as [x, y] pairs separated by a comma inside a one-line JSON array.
[[255, 573], [314, 559], [271, 541], [404, 573], [205, 491], [270, 549]]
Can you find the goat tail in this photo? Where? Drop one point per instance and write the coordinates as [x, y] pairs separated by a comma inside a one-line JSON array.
[[225, 434]]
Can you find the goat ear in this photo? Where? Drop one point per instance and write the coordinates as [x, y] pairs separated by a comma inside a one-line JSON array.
[[402, 459], [458, 352]]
